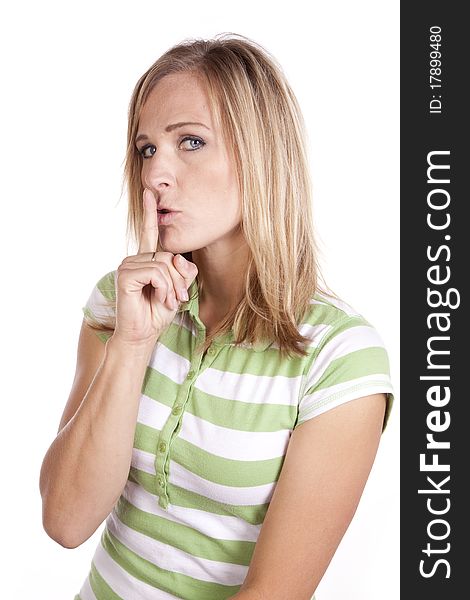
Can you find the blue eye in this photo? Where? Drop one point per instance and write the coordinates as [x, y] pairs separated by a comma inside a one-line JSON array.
[[193, 139], [141, 152], [189, 138]]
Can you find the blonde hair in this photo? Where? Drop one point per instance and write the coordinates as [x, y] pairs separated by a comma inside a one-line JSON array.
[[258, 113]]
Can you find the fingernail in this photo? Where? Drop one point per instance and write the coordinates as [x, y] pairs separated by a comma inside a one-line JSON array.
[[184, 294], [182, 260]]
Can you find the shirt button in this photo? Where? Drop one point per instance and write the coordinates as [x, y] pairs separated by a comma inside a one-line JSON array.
[[177, 409], [161, 483], [162, 447], [190, 374], [211, 350]]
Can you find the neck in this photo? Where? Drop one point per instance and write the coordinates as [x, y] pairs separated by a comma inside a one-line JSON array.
[[222, 268]]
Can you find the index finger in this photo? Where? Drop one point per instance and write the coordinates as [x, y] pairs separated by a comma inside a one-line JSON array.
[[149, 232]]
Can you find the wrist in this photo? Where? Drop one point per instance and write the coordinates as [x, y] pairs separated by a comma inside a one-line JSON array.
[[140, 349]]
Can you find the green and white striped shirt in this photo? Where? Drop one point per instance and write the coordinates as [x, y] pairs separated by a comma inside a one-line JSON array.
[[210, 439]]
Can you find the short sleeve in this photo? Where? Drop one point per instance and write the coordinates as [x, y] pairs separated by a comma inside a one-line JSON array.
[[350, 362], [100, 308]]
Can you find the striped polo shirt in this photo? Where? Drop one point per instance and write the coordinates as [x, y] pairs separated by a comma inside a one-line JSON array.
[[211, 435]]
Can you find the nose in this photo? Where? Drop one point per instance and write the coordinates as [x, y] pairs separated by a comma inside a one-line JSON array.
[[157, 174]]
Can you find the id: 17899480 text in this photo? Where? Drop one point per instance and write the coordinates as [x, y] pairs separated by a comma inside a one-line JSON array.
[[435, 70]]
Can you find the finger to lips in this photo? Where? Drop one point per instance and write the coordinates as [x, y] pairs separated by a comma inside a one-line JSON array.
[[149, 232]]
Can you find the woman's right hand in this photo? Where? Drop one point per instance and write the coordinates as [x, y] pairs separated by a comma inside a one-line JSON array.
[[148, 291]]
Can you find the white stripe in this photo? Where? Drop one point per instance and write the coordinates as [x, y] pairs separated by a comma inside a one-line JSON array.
[[315, 333], [169, 363], [256, 389], [176, 560], [222, 527], [233, 443], [353, 395], [144, 461], [101, 309], [243, 496], [153, 413], [123, 583], [350, 340], [322, 396], [86, 593]]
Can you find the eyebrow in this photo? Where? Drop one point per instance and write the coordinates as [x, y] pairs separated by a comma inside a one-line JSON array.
[[170, 127]]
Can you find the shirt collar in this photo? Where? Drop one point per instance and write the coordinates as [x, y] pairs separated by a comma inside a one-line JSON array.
[[227, 339]]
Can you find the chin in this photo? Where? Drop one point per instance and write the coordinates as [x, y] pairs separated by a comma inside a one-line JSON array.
[[175, 247]]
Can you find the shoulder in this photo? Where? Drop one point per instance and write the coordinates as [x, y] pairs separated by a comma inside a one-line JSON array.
[[329, 316], [348, 359]]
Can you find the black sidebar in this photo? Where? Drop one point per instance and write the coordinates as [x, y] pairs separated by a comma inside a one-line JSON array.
[[435, 331]]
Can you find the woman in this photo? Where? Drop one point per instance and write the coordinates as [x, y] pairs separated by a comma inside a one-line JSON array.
[[223, 399]]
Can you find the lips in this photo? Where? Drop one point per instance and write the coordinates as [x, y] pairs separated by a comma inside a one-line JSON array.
[[167, 218], [165, 209]]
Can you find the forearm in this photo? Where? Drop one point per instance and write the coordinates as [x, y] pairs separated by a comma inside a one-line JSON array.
[[86, 467]]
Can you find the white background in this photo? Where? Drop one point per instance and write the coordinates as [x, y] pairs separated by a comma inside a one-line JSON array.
[[68, 71]]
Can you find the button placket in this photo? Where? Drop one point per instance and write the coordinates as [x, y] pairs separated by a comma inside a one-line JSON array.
[[171, 427], [174, 422]]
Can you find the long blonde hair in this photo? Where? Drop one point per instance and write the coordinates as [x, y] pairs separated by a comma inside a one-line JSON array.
[[259, 115]]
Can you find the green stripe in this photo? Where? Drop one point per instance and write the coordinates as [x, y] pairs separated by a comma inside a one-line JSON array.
[[325, 314], [106, 286], [268, 363], [368, 361], [169, 581], [240, 415], [237, 414], [220, 470], [184, 537], [254, 513], [146, 438], [233, 414], [159, 387], [179, 339], [225, 471], [99, 586]]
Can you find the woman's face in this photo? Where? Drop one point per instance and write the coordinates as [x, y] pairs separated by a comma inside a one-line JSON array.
[[188, 168]]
